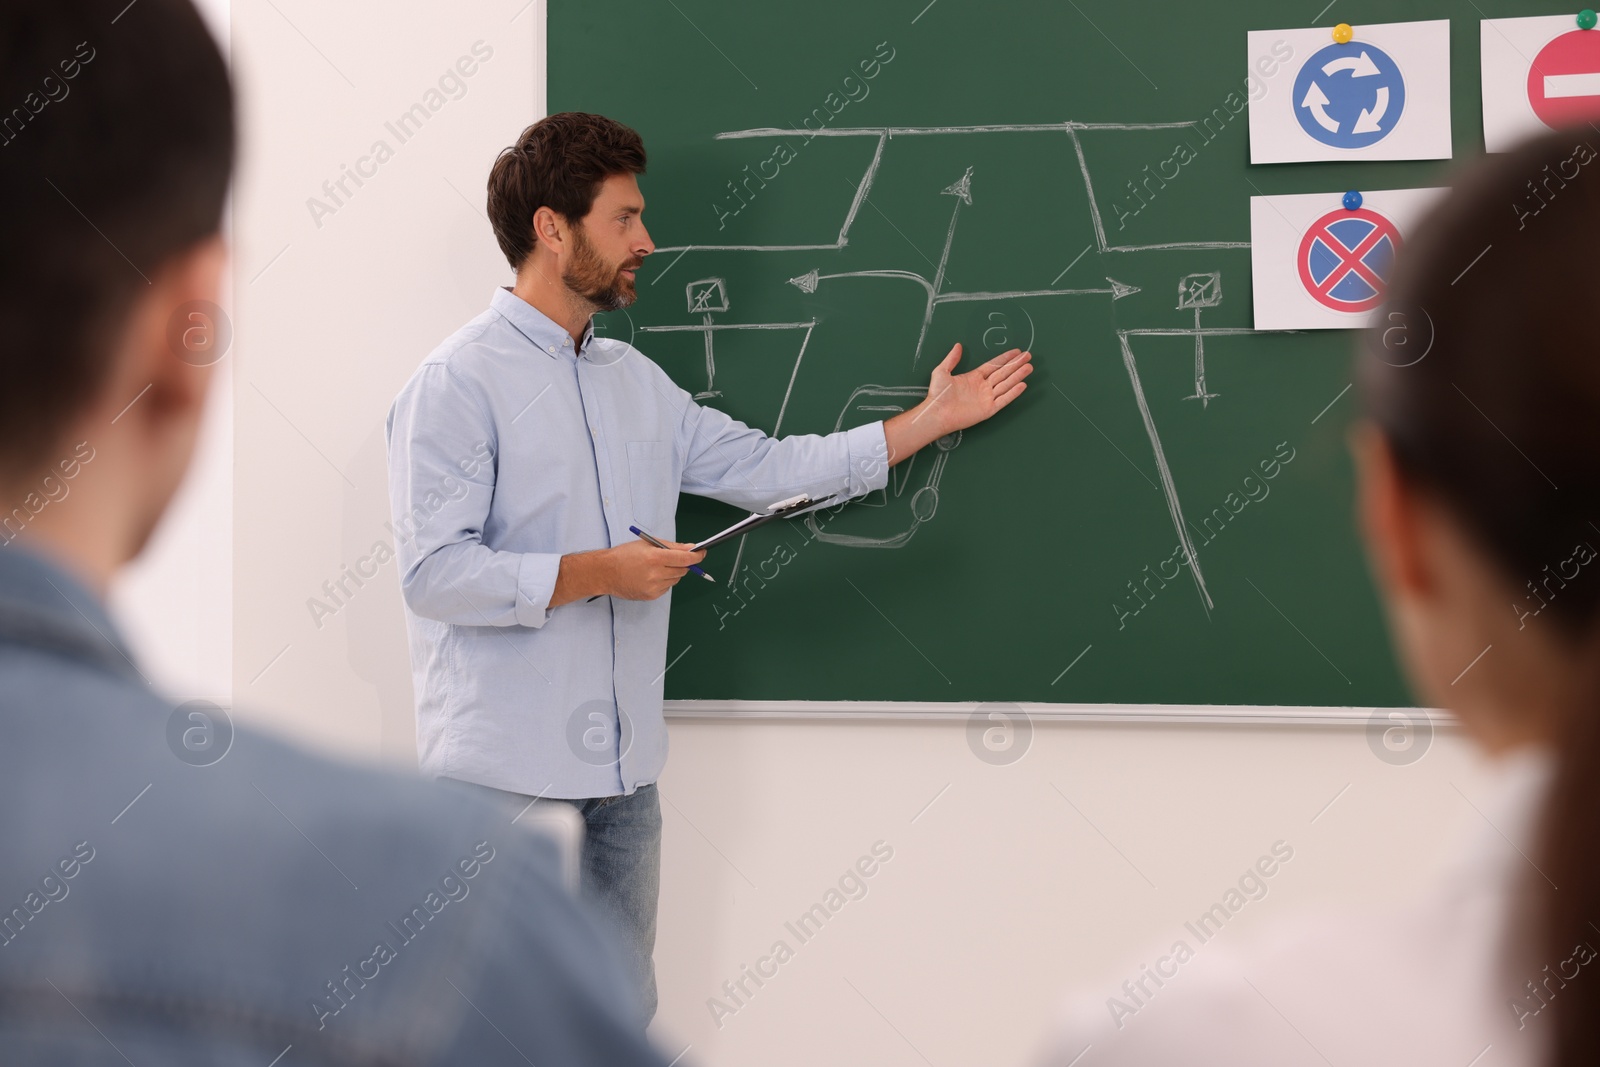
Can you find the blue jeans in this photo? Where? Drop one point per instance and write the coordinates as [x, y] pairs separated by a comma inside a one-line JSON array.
[[621, 871]]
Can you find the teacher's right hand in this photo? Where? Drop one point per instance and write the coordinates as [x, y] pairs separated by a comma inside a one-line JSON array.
[[638, 570]]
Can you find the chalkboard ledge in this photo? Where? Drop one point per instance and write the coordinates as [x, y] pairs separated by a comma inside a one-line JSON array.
[[1123, 714]]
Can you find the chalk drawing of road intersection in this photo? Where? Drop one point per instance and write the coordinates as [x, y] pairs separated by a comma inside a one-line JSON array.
[[915, 487]]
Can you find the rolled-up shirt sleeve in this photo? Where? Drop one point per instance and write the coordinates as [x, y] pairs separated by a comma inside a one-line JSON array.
[[442, 448], [729, 461]]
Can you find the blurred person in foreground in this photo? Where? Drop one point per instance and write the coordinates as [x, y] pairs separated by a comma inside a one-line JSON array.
[[162, 903], [1479, 498]]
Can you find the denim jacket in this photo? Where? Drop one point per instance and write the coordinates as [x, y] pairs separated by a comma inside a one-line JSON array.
[[173, 891]]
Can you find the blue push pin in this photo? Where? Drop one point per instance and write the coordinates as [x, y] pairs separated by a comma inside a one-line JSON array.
[[1352, 200]]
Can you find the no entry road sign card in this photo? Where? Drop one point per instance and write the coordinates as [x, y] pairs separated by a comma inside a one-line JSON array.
[[1385, 94], [1538, 73], [1318, 265]]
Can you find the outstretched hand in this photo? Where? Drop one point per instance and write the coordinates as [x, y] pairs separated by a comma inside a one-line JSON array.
[[956, 401]]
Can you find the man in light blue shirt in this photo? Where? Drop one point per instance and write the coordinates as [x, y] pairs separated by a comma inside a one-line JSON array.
[[521, 452]]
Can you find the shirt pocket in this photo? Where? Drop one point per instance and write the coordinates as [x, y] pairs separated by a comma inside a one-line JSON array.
[[653, 488]]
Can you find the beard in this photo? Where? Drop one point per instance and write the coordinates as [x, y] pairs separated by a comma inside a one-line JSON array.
[[592, 278]]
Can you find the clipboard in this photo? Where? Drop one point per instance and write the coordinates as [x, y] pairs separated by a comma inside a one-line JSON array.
[[783, 509]]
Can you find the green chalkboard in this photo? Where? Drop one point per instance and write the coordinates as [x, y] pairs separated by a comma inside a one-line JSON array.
[[1034, 558]]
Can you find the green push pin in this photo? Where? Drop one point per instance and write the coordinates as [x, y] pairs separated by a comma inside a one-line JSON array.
[[1586, 19]]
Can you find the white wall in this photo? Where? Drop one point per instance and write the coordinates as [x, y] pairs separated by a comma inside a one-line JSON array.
[[335, 310], [1017, 880]]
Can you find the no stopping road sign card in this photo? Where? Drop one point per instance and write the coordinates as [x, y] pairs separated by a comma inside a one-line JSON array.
[[1538, 73], [1317, 265], [1383, 95]]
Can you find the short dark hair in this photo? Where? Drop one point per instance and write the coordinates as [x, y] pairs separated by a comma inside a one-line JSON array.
[[558, 163], [115, 153]]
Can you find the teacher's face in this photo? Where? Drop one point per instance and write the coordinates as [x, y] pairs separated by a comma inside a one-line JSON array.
[[609, 245]]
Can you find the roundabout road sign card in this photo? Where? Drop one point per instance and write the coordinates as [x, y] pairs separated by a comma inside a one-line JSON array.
[[1538, 73], [1317, 265], [1383, 95]]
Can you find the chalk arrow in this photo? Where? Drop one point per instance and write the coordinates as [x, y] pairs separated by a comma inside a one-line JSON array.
[[1367, 121], [1120, 289], [961, 188], [806, 283], [1317, 101], [1360, 66]]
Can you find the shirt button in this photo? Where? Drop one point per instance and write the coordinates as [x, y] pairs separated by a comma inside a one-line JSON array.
[[552, 349]]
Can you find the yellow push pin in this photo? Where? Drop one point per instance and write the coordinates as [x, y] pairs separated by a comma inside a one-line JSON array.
[[1342, 33]]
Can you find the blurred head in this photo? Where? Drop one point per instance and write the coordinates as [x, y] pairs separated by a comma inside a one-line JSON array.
[[1481, 383], [565, 203], [1480, 487], [114, 165]]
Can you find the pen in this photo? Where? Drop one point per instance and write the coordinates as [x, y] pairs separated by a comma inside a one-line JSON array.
[[692, 568]]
